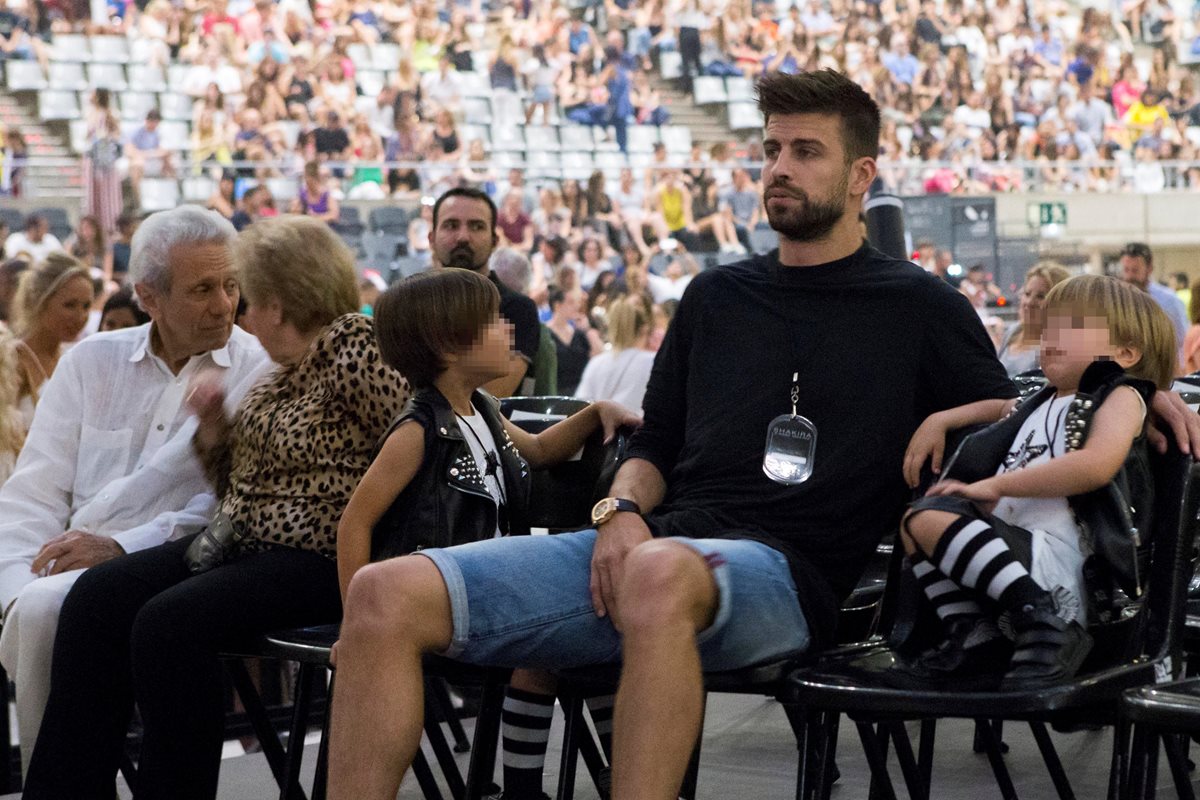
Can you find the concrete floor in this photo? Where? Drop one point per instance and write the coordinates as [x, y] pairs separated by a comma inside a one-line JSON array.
[[749, 752]]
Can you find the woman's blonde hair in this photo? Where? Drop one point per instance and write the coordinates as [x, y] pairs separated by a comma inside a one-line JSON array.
[[1134, 320], [39, 284], [301, 263], [12, 427], [1051, 272], [627, 322]]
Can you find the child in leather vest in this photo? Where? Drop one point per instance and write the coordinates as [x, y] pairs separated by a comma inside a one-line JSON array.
[[452, 469], [1003, 537]]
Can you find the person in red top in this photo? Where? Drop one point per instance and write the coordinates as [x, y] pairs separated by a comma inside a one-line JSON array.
[[219, 16]]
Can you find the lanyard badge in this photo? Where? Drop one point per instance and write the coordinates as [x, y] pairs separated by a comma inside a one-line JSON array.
[[791, 443]]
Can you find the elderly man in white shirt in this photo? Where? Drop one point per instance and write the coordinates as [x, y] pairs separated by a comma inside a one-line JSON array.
[[108, 466]]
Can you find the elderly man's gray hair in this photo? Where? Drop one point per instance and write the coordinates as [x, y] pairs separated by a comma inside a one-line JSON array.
[[512, 267], [149, 258]]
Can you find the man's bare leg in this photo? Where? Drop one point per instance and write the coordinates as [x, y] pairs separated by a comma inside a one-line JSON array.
[[396, 610], [666, 596]]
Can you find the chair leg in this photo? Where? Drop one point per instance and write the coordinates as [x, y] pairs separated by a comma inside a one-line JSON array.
[[874, 792], [1174, 748], [991, 745], [917, 788], [257, 714], [425, 779], [438, 690], [590, 752], [881, 782], [572, 706], [827, 754], [925, 750], [439, 745], [295, 745], [980, 745], [487, 738], [1053, 764], [1118, 768], [801, 722], [320, 777]]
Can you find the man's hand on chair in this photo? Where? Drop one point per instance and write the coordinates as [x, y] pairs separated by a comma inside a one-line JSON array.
[[75, 550]]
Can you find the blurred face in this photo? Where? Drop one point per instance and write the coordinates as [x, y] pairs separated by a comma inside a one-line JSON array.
[[264, 319], [491, 356], [66, 311], [1135, 270], [196, 314], [463, 236], [118, 319], [1071, 344], [806, 180], [1033, 302]]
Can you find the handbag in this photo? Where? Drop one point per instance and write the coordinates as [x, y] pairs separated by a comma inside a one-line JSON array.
[[214, 545]]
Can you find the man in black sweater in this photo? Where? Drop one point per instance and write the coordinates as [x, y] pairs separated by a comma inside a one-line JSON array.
[[700, 560]]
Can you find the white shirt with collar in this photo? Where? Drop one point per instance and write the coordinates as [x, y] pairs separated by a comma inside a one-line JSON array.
[[110, 450], [19, 243]]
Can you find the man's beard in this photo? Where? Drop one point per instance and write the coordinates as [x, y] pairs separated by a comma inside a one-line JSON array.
[[461, 257], [814, 219]]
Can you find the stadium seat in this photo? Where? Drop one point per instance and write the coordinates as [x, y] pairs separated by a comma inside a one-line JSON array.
[[577, 166], [77, 130], [159, 194], [477, 110], [147, 78], [70, 47], [543, 164], [385, 56], [24, 76], [615, 161], [359, 55], [175, 106], [107, 76], [708, 90], [198, 189], [54, 104], [290, 130], [544, 138], [578, 138], [388, 219], [508, 137], [744, 115], [670, 65], [135, 105], [177, 77], [174, 135], [110, 49], [67, 76], [642, 138], [405, 266], [739, 90], [677, 138], [370, 82], [475, 84], [58, 220], [380, 250], [469, 132]]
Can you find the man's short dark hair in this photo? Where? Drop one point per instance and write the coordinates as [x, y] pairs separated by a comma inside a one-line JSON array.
[[1182, 279], [424, 318], [472, 194], [33, 220], [825, 91], [153, 115], [1137, 250]]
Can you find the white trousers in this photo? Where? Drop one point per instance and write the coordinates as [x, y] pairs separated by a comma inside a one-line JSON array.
[[26, 648]]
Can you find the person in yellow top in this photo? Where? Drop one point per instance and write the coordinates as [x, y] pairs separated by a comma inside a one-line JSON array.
[[1142, 114], [671, 204]]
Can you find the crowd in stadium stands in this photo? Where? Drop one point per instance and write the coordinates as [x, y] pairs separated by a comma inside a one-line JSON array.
[[1085, 100]]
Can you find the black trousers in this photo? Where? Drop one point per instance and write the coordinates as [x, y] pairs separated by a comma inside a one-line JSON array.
[[142, 627], [689, 52]]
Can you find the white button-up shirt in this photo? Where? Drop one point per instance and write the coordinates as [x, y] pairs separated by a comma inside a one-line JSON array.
[[110, 450]]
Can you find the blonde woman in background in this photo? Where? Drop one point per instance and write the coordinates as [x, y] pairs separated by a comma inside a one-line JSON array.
[[1019, 350], [51, 309], [1191, 342], [621, 372]]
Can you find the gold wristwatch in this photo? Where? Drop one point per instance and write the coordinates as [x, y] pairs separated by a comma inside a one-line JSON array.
[[603, 511]]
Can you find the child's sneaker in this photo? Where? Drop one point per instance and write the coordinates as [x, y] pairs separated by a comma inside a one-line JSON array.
[[966, 659], [1047, 650]]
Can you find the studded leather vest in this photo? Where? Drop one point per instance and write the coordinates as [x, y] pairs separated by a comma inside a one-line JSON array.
[[1112, 517], [446, 503]]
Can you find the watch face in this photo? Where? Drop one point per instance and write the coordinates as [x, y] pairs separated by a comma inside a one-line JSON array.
[[603, 510]]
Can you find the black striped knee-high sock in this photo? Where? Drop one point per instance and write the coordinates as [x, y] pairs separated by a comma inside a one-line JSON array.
[[526, 732], [973, 555], [601, 710], [949, 600]]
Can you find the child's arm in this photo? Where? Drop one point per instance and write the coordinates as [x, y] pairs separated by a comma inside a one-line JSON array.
[[929, 442], [398, 461], [1118, 422], [563, 439]]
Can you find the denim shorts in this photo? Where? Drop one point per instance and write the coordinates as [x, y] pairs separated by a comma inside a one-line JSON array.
[[523, 601]]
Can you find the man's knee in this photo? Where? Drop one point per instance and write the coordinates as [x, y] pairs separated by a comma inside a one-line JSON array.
[[665, 582], [401, 599]]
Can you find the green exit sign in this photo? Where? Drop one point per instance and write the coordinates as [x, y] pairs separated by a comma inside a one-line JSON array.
[[1043, 214]]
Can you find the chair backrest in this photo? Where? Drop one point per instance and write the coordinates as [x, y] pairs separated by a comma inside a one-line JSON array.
[[562, 496], [1176, 509]]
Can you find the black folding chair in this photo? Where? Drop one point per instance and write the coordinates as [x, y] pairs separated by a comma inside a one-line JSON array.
[[1169, 713], [1128, 653]]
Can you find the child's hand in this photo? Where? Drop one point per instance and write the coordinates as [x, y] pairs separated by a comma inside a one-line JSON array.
[[613, 416], [929, 442], [981, 493]]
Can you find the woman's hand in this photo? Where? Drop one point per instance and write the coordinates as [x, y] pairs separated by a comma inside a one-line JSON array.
[[207, 401], [929, 442], [614, 416], [982, 493]]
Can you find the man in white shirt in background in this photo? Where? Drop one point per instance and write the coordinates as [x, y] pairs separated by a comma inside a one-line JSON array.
[[1137, 265], [108, 466], [35, 239]]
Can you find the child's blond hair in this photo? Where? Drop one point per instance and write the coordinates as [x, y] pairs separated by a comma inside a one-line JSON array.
[[1134, 320]]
